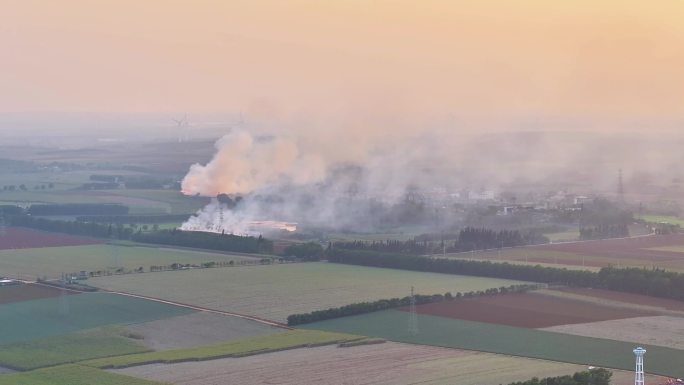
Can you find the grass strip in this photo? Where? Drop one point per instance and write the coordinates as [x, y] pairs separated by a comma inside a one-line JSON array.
[[71, 375], [258, 345]]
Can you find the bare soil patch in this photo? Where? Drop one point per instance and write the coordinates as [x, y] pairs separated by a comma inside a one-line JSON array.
[[22, 238], [197, 329], [660, 331], [529, 310], [637, 247], [626, 298], [27, 292]]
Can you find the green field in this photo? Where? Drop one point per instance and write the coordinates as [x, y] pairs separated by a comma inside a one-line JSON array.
[[71, 375], [68, 348], [256, 345], [440, 331], [53, 261], [664, 219], [276, 291], [35, 319], [570, 235], [139, 201]]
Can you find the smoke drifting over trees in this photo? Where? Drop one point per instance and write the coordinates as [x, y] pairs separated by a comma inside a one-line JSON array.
[[349, 176]]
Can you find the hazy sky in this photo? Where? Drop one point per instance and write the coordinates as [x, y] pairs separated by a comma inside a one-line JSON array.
[[616, 61]]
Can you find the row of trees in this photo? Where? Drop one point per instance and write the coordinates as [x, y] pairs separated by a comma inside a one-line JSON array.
[[384, 304], [465, 267], [78, 209], [598, 376], [653, 282], [468, 239], [72, 227], [131, 219], [604, 232], [202, 240], [194, 239]]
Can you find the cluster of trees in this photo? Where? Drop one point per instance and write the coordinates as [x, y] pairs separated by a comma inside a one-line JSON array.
[[129, 182], [604, 232], [202, 240], [410, 246], [78, 209], [309, 251], [383, 304], [597, 376], [468, 239], [130, 219], [100, 186], [11, 210], [652, 282]]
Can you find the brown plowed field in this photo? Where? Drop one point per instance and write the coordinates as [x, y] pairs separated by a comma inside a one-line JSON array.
[[18, 293], [638, 247], [527, 310], [628, 298], [21, 238]]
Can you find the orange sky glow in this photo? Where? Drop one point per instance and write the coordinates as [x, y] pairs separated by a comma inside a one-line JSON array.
[[591, 59]]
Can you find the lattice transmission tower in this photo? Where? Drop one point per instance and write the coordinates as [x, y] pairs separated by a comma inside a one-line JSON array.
[[413, 316]]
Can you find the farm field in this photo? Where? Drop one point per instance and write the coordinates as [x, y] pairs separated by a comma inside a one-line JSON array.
[[26, 292], [663, 251], [21, 238], [40, 318], [563, 236], [661, 331], [462, 334], [68, 348], [71, 375], [663, 219], [617, 298], [196, 329], [256, 345], [276, 291], [52, 262], [388, 363], [529, 310]]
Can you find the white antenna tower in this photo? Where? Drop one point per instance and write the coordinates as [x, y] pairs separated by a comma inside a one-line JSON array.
[[413, 317], [63, 300], [639, 375], [182, 125]]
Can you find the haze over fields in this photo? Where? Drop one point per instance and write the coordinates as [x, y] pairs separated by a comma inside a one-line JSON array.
[[303, 88]]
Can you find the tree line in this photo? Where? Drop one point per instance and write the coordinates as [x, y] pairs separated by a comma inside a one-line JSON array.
[[506, 270], [384, 304], [194, 239], [468, 239], [604, 232], [130, 219], [653, 282], [78, 209], [202, 240], [598, 376]]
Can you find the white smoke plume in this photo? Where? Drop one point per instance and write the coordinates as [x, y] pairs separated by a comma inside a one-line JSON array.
[[342, 176]]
